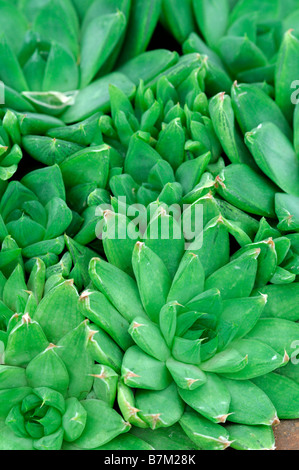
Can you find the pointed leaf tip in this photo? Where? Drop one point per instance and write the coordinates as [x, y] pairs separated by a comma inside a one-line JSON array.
[[222, 419], [286, 358], [26, 319], [275, 421]]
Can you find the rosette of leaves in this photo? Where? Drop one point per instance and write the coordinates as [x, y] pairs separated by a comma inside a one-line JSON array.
[[58, 372], [46, 390], [51, 50], [172, 131], [204, 329], [35, 215]]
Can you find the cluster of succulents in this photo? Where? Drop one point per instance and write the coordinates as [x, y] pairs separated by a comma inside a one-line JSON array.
[[112, 338]]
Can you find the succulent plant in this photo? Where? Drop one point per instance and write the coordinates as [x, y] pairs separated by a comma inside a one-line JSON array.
[[49, 393], [35, 214], [170, 127], [204, 328], [45, 388]]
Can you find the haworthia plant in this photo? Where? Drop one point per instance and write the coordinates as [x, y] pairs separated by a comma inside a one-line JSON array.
[[196, 342], [52, 392]]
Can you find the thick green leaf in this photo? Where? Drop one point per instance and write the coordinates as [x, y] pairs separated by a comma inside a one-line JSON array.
[[102, 425], [99, 39], [211, 400]]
